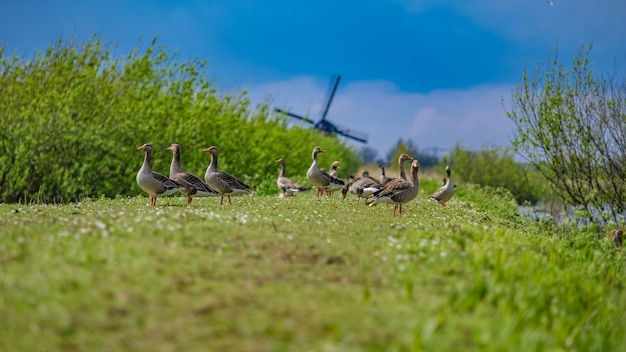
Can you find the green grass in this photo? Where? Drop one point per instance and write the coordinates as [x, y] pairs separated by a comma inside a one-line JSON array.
[[304, 274]]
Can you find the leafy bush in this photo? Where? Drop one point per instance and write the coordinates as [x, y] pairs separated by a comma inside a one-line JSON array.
[[74, 114], [496, 167], [570, 126]]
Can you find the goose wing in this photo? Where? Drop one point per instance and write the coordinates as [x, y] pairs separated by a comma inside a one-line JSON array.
[[231, 180], [197, 183], [393, 188], [169, 186], [444, 193], [287, 184]]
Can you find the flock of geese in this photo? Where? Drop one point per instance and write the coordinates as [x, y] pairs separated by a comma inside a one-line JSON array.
[[218, 183]]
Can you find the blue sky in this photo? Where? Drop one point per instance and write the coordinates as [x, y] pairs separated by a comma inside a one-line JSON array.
[[433, 71]]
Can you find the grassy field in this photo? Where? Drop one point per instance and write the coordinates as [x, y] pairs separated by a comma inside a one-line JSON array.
[[304, 274]]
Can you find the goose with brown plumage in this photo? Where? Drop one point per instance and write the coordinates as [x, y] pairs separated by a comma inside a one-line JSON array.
[[194, 185], [285, 184], [152, 182], [445, 192], [401, 159], [224, 183], [398, 191], [364, 187], [322, 180]]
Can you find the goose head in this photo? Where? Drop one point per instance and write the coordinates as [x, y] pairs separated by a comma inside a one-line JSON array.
[[173, 147], [212, 150], [147, 147], [404, 157], [317, 150]]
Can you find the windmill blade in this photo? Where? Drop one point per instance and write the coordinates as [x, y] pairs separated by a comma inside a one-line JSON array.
[[331, 95], [350, 133], [355, 135], [281, 111]]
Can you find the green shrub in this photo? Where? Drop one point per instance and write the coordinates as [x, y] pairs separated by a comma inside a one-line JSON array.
[[496, 167], [74, 115]]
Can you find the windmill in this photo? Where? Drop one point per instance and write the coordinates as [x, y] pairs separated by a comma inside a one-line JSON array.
[[326, 126]]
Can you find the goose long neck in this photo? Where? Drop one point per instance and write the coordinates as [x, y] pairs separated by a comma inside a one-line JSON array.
[[213, 164], [282, 170], [175, 166], [146, 161], [414, 175], [402, 173], [314, 157]]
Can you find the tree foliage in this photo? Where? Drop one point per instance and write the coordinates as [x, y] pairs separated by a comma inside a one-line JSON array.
[[408, 147], [571, 124], [74, 114], [369, 155]]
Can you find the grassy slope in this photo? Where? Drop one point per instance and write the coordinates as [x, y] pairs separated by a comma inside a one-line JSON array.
[[302, 274]]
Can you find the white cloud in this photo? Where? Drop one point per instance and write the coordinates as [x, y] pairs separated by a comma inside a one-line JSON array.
[[474, 117]]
